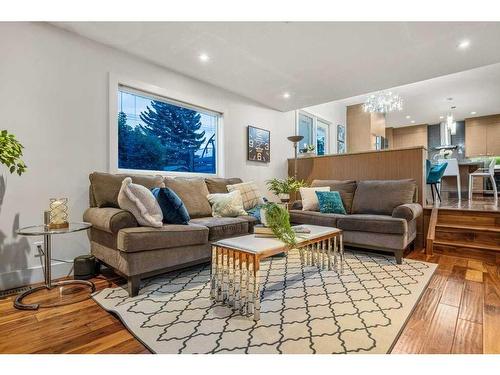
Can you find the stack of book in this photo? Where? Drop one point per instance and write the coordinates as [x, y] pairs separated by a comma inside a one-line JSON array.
[[262, 231]]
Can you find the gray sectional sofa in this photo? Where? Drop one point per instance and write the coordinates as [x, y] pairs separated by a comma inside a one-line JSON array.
[[136, 252], [381, 215]]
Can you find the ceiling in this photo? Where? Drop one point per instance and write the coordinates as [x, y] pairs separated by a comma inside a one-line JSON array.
[[316, 62], [476, 90]]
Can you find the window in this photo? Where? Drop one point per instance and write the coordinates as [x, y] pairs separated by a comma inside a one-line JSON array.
[[315, 131], [157, 134]]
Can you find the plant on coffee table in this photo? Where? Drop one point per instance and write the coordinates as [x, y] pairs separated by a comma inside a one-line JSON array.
[[278, 219]]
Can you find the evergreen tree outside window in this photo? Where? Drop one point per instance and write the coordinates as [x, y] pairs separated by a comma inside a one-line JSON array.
[[159, 135]]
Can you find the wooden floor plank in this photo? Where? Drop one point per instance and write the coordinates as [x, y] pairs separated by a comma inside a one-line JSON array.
[[468, 338], [471, 308], [441, 331]]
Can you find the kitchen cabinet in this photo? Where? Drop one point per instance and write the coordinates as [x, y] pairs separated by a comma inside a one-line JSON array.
[[482, 136]]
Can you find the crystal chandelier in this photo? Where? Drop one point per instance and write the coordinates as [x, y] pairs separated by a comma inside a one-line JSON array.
[[383, 103]]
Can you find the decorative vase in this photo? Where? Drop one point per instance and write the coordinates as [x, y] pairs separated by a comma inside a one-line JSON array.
[[284, 197]]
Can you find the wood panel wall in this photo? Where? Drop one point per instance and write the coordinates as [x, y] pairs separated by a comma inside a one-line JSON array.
[[392, 164], [409, 136], [362, 128]]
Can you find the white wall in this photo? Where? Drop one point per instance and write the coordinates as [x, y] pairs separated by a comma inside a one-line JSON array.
[[333, 112], [54, 98]]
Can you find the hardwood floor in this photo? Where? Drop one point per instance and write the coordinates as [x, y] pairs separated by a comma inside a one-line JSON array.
[[459, 312]]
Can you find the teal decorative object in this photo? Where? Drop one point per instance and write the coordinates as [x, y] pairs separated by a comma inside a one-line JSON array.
[[330, 202]]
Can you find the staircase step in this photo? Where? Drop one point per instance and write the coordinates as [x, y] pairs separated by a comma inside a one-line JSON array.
[[468, 228], [468, 245]]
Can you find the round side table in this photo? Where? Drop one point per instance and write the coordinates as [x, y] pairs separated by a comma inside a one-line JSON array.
[[47, 233]]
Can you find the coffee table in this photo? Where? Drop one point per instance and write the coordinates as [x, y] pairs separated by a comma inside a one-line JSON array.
[[235, 276]]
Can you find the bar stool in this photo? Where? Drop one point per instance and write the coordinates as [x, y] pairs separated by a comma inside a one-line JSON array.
[[453, 169], [484, 173], [434, 175]]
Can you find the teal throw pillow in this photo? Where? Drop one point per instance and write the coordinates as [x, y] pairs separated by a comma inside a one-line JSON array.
[[330, 202]]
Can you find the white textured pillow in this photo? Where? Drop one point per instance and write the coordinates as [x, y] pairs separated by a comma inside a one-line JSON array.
[[141, 202], [250, 194], [227, 205], [309, 197]]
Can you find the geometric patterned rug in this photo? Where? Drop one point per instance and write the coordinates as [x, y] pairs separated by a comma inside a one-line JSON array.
[[303, 309]]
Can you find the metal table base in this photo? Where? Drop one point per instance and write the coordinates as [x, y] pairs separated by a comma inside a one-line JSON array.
[[47, 249]]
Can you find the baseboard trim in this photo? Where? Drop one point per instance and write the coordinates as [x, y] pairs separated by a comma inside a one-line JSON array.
[[28, 276]]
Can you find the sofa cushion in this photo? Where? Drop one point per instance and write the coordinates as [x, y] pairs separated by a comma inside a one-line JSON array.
[[174, 210], [330, 202], [141, 202], [193, 192], [109, 219], [381, 197], [250, 194], [346, 189], [314, 218], [219, 185], [104, 187], [252, 221], [373, 223], [223, 227], [227, 204], [168, 236], [309, 198]]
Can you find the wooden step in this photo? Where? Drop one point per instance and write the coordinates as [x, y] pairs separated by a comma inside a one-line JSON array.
[[468, 245], [468, 228]]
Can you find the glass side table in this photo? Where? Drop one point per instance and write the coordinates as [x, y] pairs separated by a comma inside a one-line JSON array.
[[43, 230]]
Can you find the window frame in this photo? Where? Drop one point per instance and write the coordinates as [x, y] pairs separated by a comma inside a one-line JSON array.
[[315, 119], [140, 88]]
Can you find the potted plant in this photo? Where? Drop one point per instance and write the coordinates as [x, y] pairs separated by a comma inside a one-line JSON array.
[[10, 153], [283, 187], [308, 150]]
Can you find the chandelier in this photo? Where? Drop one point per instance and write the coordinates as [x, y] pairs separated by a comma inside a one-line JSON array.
[[383, 103]]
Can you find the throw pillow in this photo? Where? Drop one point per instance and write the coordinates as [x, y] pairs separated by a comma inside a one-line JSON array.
[[172, 207], [140, 201], [227, 205], [330, 202], [249, 193], [309, 197]]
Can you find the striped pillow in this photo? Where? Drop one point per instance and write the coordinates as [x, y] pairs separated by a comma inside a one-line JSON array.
[[249, 193]]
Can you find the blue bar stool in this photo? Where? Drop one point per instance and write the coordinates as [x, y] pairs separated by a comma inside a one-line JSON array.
[[434, 175]]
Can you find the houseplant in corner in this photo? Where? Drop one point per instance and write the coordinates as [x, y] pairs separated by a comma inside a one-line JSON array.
[[11, 152], [283, 187]]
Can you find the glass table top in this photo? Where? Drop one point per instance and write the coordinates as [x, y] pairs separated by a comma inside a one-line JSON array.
[[40, 230]]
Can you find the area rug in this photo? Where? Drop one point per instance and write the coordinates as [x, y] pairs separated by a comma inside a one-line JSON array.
[[303, 310]]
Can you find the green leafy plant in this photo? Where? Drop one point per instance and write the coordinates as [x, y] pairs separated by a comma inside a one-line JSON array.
[[278, 219], [284, 186], [10, 153], [308, 148]]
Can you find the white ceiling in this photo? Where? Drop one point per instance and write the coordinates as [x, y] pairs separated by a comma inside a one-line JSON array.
[[316, 62], [476, 90]]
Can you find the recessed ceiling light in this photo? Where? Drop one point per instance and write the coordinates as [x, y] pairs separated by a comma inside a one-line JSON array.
[[441, 117], [286, 95], [464, 44], [412, 121], [473, 112], [204, 57], [408, 117]]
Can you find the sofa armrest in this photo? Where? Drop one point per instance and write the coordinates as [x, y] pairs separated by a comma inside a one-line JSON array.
[[109, 219], [296, 205], [408, 211]]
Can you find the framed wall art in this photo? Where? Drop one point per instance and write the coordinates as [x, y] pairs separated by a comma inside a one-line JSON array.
[[259, 144]]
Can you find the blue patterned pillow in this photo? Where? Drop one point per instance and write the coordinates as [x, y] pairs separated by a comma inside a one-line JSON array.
[[330, 202], [174, 211]]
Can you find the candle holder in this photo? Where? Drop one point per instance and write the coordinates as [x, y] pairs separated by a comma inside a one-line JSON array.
[[58, 208]]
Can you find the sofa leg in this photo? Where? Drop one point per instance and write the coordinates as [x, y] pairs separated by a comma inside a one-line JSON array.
[[399, 256], [133, 284]]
